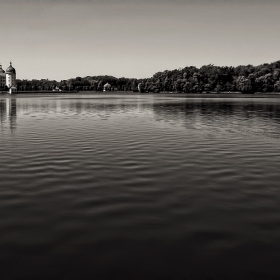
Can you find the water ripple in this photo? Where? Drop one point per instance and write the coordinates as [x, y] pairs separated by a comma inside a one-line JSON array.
[[139, 187]]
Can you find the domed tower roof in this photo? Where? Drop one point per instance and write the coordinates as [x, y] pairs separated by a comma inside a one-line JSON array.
[[11, 69], [1, 70]]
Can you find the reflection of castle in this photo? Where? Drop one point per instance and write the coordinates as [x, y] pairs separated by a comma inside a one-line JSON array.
[[8, 111], [8, 79], [3, 111]]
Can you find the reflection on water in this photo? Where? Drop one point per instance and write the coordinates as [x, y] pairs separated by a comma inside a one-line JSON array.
[[139, 187], [243, 116], [8, 109], [255, 114]]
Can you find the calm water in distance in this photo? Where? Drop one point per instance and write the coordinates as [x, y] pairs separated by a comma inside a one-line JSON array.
[[128, 186]]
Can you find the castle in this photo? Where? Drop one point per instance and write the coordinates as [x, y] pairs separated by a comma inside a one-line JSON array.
[[8, 78]]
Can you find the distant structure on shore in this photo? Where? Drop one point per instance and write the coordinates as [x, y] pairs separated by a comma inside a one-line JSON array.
[[8, 79], [107, 87]]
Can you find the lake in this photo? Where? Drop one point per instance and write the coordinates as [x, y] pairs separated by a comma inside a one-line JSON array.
[[129, 186]]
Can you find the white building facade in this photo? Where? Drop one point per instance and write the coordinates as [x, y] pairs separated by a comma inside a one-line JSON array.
[[11, 78]]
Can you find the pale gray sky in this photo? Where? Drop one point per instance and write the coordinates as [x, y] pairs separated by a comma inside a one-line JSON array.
[[135, 38]]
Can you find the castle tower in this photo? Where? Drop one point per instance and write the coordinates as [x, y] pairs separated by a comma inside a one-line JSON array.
[[2, 78], [11, 78]]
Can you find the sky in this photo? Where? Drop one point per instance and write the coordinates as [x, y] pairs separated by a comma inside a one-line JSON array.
[[135, 38]]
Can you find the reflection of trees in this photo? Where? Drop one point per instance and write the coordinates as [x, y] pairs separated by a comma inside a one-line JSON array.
[[90, 107], [186, 109], [72, 105], [219, 108], [243, 115], [28, 105]]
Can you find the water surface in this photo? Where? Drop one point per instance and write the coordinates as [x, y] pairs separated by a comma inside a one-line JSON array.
[[127, 186]]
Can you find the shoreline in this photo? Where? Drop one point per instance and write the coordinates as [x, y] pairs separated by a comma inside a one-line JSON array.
[[125, 93]]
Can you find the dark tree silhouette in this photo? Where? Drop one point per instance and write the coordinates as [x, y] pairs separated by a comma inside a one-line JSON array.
[[208, 78]]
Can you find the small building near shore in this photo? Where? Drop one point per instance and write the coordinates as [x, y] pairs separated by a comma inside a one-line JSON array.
[[107, 87]]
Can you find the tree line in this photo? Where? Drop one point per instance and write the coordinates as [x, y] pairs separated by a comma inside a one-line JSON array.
[[208, 78]]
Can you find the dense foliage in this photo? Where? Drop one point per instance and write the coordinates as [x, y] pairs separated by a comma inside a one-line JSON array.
[[208, 78]]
